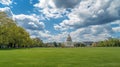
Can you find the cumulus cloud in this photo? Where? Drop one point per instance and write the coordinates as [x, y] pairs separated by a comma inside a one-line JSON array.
[[49, 9], [29, 22], [92, 33], [93, 12], [46, 35], [6, 2], [116, 29], [61, 28]]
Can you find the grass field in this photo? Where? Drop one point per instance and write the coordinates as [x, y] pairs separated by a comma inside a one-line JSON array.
[[60, 57]]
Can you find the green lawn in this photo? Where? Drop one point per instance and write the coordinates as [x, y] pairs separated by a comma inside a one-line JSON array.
[[61, 57]]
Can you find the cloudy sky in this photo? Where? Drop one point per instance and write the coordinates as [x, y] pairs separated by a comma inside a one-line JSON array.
[[53, 20]]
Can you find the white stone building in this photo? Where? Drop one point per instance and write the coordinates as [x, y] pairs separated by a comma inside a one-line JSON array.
[[69, 42]]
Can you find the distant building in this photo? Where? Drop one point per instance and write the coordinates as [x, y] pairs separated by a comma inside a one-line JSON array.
[[87, 43], [69, 42]]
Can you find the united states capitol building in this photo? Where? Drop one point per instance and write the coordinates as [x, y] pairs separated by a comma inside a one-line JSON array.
[[68, 42]]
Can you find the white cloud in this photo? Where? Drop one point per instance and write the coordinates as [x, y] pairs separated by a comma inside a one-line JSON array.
[[116, 29], [61, 28], [92, 33], [29, 22], [46, 36], [45, 3], [6, 2], [116, 22], [49, 9], [92, 12]]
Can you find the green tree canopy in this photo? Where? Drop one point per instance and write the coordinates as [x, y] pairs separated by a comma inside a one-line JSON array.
[[113, 42], [12, 35]]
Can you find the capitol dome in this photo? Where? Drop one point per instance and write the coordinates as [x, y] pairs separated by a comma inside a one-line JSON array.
[[69, 42], [69, 38]]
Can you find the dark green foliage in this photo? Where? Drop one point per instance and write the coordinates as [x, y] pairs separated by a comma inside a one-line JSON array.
[[79, 45], [55, 44], [59, 44], [36, 42], [82, 45]]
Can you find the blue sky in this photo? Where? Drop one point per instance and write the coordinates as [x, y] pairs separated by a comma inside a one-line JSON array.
[[53, 20]]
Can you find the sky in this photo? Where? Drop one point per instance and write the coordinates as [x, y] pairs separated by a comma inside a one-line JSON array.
[[53, 20]]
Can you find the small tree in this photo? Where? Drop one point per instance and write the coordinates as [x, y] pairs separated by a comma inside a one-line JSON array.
[[55, 44], [37, 42]]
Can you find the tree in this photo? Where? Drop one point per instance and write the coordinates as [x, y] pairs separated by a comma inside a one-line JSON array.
[[113, 42], [94, 44], [77, 44], [11, 35], [37, 42], [55, 44]]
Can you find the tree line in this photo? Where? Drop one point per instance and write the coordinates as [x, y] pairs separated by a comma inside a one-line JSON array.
[[112, 42]]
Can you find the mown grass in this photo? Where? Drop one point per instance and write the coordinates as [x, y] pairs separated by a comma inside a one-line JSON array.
[[61, 57]]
